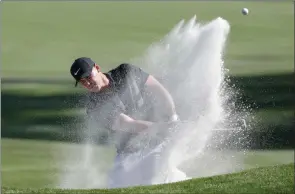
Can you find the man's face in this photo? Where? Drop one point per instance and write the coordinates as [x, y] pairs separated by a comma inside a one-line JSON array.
[[94, 82]]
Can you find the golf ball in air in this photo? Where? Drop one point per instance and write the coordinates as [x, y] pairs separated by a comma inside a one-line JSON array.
[[245, 11]]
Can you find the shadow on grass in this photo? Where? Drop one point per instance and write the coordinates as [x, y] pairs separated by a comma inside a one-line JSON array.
[[44, 117], [266, 92], [39, 117]]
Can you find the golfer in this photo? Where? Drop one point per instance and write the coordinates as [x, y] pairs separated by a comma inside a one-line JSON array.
[[127, 101]]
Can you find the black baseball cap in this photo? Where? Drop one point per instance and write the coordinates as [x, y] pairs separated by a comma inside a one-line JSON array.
[[81, 68]]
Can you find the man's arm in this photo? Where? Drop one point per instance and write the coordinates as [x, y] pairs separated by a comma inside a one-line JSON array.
[[163, 96], [128, 124], [144, 79]]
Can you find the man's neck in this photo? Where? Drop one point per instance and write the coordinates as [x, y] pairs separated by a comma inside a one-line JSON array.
[[107, 83]]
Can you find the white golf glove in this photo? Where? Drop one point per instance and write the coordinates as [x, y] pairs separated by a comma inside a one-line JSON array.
[[174, 118]]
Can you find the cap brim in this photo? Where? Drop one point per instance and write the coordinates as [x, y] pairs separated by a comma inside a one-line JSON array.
[[82, 76]]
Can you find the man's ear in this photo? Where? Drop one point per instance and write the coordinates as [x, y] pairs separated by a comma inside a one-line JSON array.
[[97, 67]]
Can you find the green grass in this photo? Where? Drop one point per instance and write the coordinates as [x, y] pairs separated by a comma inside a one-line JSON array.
[[42, 38], [278, 179], [39, 164], [33, 164]]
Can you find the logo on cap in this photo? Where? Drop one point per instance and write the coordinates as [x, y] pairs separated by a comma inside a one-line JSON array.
[[76, 73]]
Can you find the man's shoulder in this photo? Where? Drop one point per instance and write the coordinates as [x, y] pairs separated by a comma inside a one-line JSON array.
[[123, 68], [130, 69], [120, 72]]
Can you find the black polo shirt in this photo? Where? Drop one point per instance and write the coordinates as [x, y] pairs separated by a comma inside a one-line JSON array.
[[126, 95]]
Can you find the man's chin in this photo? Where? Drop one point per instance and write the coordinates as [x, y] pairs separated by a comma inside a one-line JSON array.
[[95, 89]]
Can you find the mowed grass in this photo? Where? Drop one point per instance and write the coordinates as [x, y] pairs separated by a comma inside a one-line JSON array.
[[42, 38], [43, 164], [35, 164], [278, 179]]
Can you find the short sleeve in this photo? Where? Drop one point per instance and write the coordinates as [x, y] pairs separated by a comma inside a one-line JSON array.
[[140, 75]]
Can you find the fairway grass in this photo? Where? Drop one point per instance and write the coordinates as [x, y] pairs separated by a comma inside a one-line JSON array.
[[43, 38], [40, 164], [272, 179]]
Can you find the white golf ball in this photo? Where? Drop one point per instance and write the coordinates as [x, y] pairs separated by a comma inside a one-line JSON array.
[[245, 11]]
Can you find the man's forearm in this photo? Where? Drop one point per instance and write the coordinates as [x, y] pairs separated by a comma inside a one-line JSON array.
[[128, 124], [139, 125], [131, 125]]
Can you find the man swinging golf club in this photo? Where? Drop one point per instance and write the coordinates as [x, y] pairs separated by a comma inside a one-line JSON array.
[[127, 101]]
